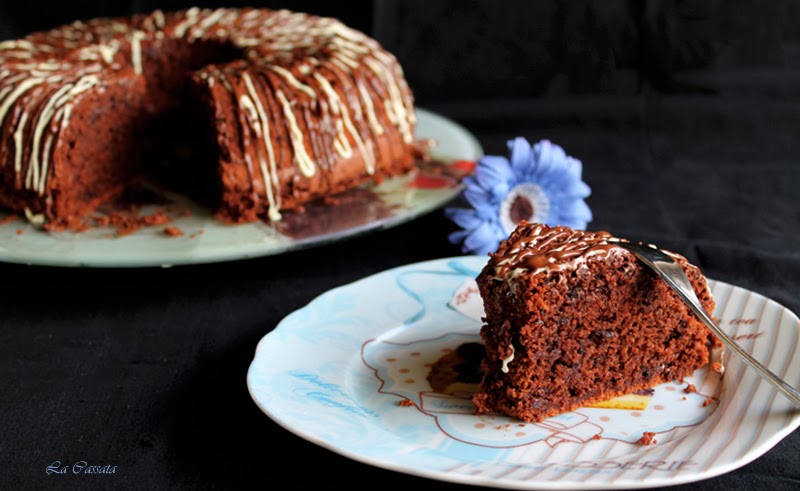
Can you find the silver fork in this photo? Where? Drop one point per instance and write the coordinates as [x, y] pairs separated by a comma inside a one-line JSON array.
[[675, 277]]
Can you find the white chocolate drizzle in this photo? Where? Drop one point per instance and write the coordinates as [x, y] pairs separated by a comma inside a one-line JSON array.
[[199, 30], [371, 117], [508, 359], [189, 21], [305, 163], [36, 177], [17, 44], [36, 219], [44, 118], [158, 17], [107, 52], [136, 51], [341, 143], [270, 176], [286, 74], [20, 89], [18, 141]]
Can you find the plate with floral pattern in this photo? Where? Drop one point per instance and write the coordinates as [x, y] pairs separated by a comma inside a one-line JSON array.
[[187, 233], [365, 393]]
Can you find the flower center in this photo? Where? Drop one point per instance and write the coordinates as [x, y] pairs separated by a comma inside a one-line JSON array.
[[521, 209], [527, 201]]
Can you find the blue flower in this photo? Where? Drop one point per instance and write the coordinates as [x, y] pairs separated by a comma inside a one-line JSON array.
[[540, 183]]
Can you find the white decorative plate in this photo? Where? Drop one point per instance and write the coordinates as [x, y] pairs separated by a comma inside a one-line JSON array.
[[348, 372], [206, 240]]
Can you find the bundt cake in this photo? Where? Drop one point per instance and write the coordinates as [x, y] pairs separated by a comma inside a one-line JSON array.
[[250, 111]]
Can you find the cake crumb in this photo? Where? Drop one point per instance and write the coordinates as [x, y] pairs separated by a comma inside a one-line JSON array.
[[406, 402], [20, 231], [690, 389], [7, 219], [718, 367], [173, 231], [128, 223], [708, 401], [596, 437], [647, 438]]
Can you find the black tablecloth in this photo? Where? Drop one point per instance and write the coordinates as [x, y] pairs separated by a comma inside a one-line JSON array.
[[145, 369]]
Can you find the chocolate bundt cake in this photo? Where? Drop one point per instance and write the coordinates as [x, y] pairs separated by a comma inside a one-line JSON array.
[[251, 111], [572, 319]]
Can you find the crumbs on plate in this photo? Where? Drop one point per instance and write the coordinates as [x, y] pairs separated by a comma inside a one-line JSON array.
[[648, 437]]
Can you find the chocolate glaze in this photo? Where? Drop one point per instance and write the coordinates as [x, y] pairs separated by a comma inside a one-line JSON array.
[[538, 247], [350, 209], [353, 208], [460, 366]]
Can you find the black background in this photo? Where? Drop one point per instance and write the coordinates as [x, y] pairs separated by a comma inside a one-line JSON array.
[[685, 114]]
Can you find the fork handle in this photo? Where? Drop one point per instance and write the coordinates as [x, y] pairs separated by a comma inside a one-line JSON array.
[[691, 301]]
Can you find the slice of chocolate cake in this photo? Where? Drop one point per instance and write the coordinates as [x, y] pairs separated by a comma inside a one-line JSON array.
[[572, 319]]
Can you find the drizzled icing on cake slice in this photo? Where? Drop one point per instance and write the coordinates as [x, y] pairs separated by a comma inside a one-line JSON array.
[[537, 248]]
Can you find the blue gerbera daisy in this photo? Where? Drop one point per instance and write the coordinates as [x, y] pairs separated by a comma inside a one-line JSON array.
[[540, 183]]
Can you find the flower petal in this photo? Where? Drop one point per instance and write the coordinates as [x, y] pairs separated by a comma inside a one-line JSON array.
[[550, 159], [482, 240], [464, 218], [559, 192], [480, 199], [574, 168], [458, 236], [574, 214], [521, 156], [579, 190], [495, 175]]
